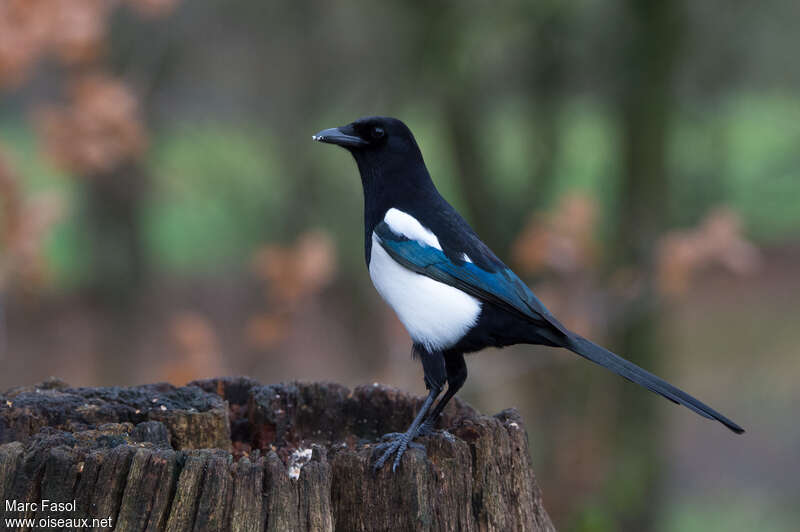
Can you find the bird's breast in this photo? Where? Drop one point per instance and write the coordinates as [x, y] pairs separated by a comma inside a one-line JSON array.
[[435, 315]]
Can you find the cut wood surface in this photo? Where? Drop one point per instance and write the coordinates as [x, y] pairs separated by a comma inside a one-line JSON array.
[[232, 454]]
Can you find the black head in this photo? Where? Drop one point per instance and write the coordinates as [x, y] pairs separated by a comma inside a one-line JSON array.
[[393, 173], [380, 145], [370, 134]]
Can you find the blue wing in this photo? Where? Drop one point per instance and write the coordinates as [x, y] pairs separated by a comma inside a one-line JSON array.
[[502, 287]]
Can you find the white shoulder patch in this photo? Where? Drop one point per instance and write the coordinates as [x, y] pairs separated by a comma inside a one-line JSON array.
[[404, 224], [434, 314], [466, 258]]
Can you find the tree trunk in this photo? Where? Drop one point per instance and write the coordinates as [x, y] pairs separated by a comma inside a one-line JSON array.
[[230, 454], [652, 52], [113, 216]]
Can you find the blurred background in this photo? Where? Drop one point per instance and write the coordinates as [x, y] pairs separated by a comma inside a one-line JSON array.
[[164, 215]]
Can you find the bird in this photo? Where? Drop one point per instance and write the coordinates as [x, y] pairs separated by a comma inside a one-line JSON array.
[[450, 291]]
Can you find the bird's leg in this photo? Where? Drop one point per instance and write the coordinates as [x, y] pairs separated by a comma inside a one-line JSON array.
[[396, 443], [429, 424], [456, 377]]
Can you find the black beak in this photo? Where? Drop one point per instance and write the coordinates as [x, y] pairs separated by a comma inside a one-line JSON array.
[[341, 136]]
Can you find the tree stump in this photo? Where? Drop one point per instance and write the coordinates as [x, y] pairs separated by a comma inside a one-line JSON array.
[[231, 454]]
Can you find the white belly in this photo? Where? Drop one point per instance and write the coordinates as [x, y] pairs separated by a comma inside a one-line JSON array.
[[435, 315]]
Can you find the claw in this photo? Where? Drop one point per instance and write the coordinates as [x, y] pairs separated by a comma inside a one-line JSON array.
[[401, 450], [384, 445], [397, 444], [390, 447]]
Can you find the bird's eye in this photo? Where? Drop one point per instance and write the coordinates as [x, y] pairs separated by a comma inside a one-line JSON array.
[[378, 132]]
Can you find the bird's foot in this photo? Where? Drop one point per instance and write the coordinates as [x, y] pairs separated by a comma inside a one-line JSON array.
[[395, 443]]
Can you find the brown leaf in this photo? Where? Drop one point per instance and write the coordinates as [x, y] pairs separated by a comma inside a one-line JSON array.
[[561, 241], [26, 224], [79, 29], [264, 331], [716, 242], [198, 354], [99, 130], [296, 272], [25, 29]]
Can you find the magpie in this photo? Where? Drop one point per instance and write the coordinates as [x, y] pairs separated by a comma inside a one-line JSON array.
[[452, 294]]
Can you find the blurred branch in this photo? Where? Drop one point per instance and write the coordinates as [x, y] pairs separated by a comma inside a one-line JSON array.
[[546, 79], [462, 121], [462, 101], [651, 52]]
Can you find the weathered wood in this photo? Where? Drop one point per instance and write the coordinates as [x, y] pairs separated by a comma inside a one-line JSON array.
[[195, 419], [248, 512], [151, 480], [231, 454]]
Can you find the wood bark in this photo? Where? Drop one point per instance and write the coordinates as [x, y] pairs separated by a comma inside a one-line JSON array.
[[231, 454]]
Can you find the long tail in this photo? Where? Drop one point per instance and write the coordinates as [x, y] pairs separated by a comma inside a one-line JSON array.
[[634, 373]]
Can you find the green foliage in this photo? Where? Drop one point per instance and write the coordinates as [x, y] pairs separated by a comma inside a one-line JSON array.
[[217, 194], [593, 517], [743, 153], [763, 133], [65, 251], [589, 144], [737, 514]]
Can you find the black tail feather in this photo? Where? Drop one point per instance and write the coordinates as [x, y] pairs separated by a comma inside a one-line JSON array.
[[634, 373]]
